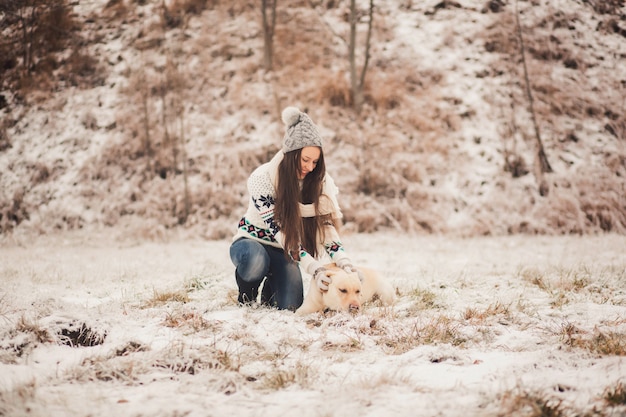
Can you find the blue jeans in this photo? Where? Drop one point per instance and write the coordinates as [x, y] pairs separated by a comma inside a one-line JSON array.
[[254, 261]]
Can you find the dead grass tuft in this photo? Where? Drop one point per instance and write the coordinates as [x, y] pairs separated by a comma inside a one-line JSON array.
[[5, 139], [604, 343], [41, 334], [385, 91], [535, 277], [104, 368], [602, 207], [189, 319], [13, 210], [515, 403], [575, 279], [424, 298], [193, 7], [159, 298], [195, 362], [615, 395], [569, 284], [334, 90], [196, 283], [477, 316], [128, 363], [440, 329], [352, 344], [607, 343], [386, 379], [82, 69], [279, 379], [130, 348], [116, 9]]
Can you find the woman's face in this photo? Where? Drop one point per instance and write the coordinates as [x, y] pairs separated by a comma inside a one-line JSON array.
[[308, 160]]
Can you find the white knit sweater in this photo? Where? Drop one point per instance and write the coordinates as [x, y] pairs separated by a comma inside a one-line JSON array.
[[259, 224]]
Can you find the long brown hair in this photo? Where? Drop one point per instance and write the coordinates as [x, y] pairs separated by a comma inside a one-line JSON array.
[[296, 229]]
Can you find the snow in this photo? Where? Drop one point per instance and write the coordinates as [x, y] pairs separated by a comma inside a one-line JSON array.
[[209, 355]]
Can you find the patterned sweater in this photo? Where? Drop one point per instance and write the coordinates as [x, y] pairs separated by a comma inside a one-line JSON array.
[[259, 224]]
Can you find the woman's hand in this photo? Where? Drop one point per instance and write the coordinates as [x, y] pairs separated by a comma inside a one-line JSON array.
[[322, 278], [346, 265]]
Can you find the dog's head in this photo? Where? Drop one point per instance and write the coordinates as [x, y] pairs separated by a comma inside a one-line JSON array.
[[344, 292]]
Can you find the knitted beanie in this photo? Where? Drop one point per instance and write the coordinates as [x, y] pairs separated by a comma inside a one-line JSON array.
[[301, 131]]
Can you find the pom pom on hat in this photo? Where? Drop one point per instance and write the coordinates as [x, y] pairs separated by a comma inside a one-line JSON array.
[[301, 131], [290, 116]]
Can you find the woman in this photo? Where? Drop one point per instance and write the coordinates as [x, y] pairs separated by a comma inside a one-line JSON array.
[[290, 222]]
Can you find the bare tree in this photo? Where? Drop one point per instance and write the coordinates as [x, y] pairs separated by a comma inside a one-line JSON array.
[[37, 27], [541, 160], [186, 196], [174, 86], [357, 83], [167, 140], [269, 26], [145, 109]]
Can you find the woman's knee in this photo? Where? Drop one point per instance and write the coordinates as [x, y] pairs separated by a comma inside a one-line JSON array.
[[250, 258]]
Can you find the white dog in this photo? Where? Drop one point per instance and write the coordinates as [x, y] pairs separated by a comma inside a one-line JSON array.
[[346, 292]]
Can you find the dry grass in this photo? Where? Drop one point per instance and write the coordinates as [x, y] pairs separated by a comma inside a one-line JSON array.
[[5, 139], [130, 362], [279, 379], [478, 316], [189, 319], [350, 344], [106, 369], [438, 330], [41, 334], [526, 404], [116, 10], [566, 285], [424, 299], [160, 298], [181, 359], [387, 379], [334, 90], [615, 396], [600, 342], [535, 277], [4, 306], [385, 91]]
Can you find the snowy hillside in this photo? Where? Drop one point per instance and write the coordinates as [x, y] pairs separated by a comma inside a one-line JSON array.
[[168, 110]]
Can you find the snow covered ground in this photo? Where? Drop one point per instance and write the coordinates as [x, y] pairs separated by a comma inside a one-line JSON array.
[[520, 325]]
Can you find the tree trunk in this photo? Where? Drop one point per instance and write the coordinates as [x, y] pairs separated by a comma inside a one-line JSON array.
[[367, 45], [354, 87], [357, 84], [268, 34], [186, 198], [146, 127], [541, 159]]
